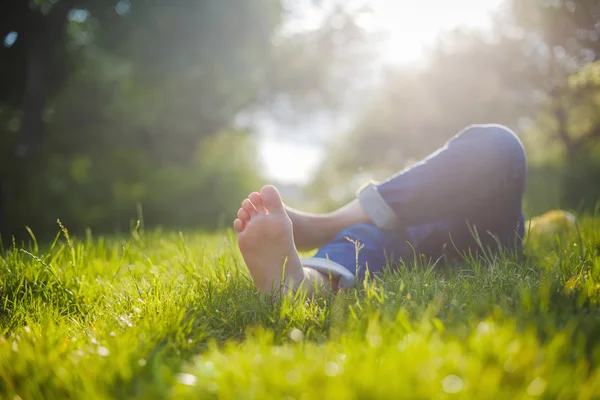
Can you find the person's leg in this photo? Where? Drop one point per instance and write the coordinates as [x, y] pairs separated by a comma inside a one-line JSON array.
[[356, 250], [472, 185], [483, 164], [314, 230], [266, 241]]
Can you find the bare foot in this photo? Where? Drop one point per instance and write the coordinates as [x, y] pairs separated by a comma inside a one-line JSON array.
[[266, 241]]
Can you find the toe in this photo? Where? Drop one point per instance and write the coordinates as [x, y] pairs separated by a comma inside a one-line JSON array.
[[257, 202], [249, 207], [243, 215], [271, 199], [238, 225]]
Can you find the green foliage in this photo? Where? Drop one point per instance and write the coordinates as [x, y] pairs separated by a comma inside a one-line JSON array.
[[532, 71], [579, 192], [543, 188], [107, 190], [111, 108], [587, 76], [156, 314]]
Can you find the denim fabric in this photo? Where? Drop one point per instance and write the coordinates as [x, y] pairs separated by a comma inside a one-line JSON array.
[[466, 195]]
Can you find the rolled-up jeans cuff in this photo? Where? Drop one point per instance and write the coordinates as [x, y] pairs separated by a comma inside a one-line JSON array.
[[330, 268], [377, 208]]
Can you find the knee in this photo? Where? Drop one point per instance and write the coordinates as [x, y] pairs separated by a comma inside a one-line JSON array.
[[499, 147], [494, 139]]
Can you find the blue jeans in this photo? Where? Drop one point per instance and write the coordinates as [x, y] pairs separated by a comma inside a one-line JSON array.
[[466, 195]]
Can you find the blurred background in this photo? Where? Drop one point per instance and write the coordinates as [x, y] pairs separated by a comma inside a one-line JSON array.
[[114, 110]]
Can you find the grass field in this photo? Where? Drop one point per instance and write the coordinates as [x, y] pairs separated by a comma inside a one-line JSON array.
[[167, 315]]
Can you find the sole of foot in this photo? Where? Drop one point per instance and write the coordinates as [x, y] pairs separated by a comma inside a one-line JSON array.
[[266, 241]]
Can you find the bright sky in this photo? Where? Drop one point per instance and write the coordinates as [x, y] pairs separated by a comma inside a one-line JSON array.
[[410, 26]]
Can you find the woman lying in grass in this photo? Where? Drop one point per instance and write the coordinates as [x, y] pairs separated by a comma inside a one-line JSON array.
[[466, 195]]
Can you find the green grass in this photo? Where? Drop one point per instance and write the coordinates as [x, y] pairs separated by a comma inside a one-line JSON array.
[[167, 315]]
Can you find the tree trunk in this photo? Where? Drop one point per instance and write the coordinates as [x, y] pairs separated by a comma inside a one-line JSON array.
[[45, 32]]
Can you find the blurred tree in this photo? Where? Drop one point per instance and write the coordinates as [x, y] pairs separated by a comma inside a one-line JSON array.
[[566, 130], [567, 35], [131, 93], [31, 33], [531, 72]]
